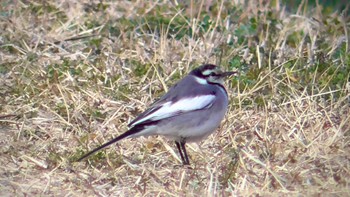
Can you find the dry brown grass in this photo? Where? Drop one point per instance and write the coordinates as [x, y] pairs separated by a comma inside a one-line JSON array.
[[69, 83]]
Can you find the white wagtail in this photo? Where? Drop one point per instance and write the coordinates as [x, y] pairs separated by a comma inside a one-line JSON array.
[[190, 111]]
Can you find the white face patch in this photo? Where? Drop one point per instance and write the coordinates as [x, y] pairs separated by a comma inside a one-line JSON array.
[[201, 80], [170, 109], [216, 80], [207, 72]]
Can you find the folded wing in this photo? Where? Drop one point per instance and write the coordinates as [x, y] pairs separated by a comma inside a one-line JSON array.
[[170, 109]]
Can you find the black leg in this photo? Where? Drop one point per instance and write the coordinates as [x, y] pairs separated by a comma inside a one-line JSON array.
[[180, 151], [186, 161]]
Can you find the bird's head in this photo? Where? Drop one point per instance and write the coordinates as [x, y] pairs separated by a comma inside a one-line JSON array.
[[210, 73]]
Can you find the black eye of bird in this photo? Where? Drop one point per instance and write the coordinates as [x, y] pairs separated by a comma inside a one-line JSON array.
[[213, 74]]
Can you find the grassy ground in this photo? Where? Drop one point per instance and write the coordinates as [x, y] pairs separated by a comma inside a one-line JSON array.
[[74, 73]]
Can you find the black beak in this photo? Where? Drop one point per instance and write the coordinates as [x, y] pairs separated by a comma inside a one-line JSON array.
[[227, 74]]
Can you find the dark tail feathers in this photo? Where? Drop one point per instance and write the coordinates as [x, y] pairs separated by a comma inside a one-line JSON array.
[[122, 136]]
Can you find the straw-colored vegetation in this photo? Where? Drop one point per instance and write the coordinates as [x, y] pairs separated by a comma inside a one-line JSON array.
[[74, 73]]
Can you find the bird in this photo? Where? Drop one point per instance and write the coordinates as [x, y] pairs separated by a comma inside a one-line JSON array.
[[190, 111]]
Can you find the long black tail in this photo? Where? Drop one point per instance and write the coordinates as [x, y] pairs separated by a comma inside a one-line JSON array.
[[122, 136]]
